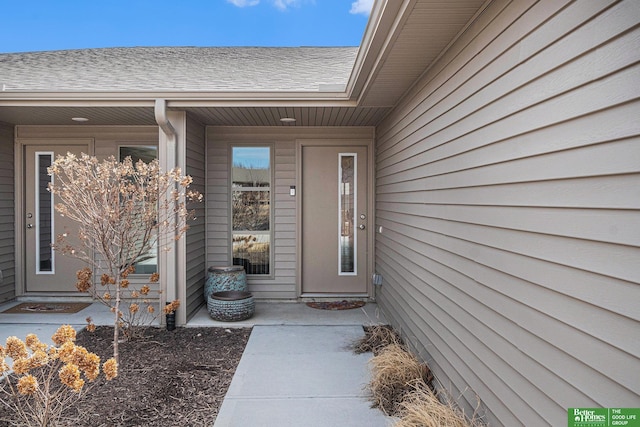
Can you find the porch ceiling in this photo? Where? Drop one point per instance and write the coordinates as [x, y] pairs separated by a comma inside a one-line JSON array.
[[402, 40], [211, 116]]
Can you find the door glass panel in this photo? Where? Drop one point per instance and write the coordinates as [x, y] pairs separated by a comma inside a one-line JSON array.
[[44, 215], [347, 210]]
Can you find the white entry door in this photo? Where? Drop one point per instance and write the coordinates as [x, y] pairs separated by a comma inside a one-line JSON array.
[[46, 271], [335, 218]]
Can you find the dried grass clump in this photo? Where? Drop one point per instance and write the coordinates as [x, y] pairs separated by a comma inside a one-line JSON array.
[[377, 337], [401, 386], [394, 373], [422, 408]]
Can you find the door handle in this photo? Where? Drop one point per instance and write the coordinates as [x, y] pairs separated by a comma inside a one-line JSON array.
[[362, 227], [29, 225]]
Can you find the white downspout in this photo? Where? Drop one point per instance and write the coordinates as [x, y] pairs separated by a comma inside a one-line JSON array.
[[167, 158], [164, 123]]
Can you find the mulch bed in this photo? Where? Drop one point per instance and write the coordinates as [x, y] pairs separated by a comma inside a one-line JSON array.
[[169, 378]]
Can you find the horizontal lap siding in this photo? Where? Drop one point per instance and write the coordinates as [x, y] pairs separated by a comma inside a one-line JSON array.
[[217, 204], [196, 235], [284, 219], [7, 197], [507, 187]]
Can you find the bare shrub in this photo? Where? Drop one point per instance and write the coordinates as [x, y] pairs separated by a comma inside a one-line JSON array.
[[43, 380], [123, 211]]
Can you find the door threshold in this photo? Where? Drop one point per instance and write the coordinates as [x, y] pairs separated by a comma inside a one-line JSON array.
[[335, 296], [57, 298]]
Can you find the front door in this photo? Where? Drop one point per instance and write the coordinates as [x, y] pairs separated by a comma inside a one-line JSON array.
[[334, 220], [46, 270]]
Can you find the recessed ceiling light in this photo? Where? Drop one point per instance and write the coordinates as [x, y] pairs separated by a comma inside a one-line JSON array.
[[287, 120], [79, 119]]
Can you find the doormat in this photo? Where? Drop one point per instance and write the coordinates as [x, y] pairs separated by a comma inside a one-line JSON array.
[[336, 305], [47, 307]]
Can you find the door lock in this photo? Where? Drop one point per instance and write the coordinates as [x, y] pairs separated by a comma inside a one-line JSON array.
[[29, 225], [362, 227]]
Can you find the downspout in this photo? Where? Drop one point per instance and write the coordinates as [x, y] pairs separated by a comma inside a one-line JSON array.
[[167, 157], [163, 121]]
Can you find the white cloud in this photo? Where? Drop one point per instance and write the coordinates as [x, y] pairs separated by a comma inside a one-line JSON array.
[[278, 4], [284, 4], [243, 3], [361, 6]]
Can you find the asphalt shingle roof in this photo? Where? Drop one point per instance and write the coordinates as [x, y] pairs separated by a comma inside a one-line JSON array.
[[216, 69]]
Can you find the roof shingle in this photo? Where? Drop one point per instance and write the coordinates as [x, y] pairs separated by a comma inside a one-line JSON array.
[[182, 69]]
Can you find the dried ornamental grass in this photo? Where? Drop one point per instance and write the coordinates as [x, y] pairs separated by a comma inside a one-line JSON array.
[[394, 371], [377, 337], [422, 408]]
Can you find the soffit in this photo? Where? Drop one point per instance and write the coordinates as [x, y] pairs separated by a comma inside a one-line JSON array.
[[424, 29], [212, 116]]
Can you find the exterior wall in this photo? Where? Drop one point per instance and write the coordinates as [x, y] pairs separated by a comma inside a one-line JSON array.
[[219, 139], [507, 188], [106, 141], [7, 206], [196, 235]]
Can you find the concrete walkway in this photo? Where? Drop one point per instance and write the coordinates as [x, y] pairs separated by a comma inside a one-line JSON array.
[[297, 369], [300, 376]]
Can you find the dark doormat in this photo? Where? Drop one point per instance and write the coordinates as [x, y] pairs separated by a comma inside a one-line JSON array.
[[47, 307], [336, 305]]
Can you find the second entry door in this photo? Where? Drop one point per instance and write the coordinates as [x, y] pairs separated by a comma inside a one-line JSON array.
[[47, 271], [334, 220]]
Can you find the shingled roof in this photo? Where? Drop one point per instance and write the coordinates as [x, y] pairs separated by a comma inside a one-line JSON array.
[[192, 69]]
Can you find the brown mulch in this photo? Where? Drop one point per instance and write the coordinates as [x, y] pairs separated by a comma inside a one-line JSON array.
[[168, 378]]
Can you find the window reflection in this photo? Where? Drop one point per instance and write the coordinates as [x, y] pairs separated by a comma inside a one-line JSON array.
[[148, 264], [347, 213], [45, 214], [251, 208]]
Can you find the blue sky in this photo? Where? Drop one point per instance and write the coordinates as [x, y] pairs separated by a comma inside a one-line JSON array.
[[37, 25], [251, 157]]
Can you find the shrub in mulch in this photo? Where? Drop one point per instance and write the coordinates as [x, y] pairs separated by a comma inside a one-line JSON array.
[[402, 386]]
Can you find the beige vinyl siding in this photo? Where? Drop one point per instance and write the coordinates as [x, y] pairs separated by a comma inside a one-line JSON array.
[[106, 141], [507, 188], [196, 235], [283, 285], [7, 225], [285, 216]]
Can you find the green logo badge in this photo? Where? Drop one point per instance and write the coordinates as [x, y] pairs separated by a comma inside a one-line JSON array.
[[604, 417]]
